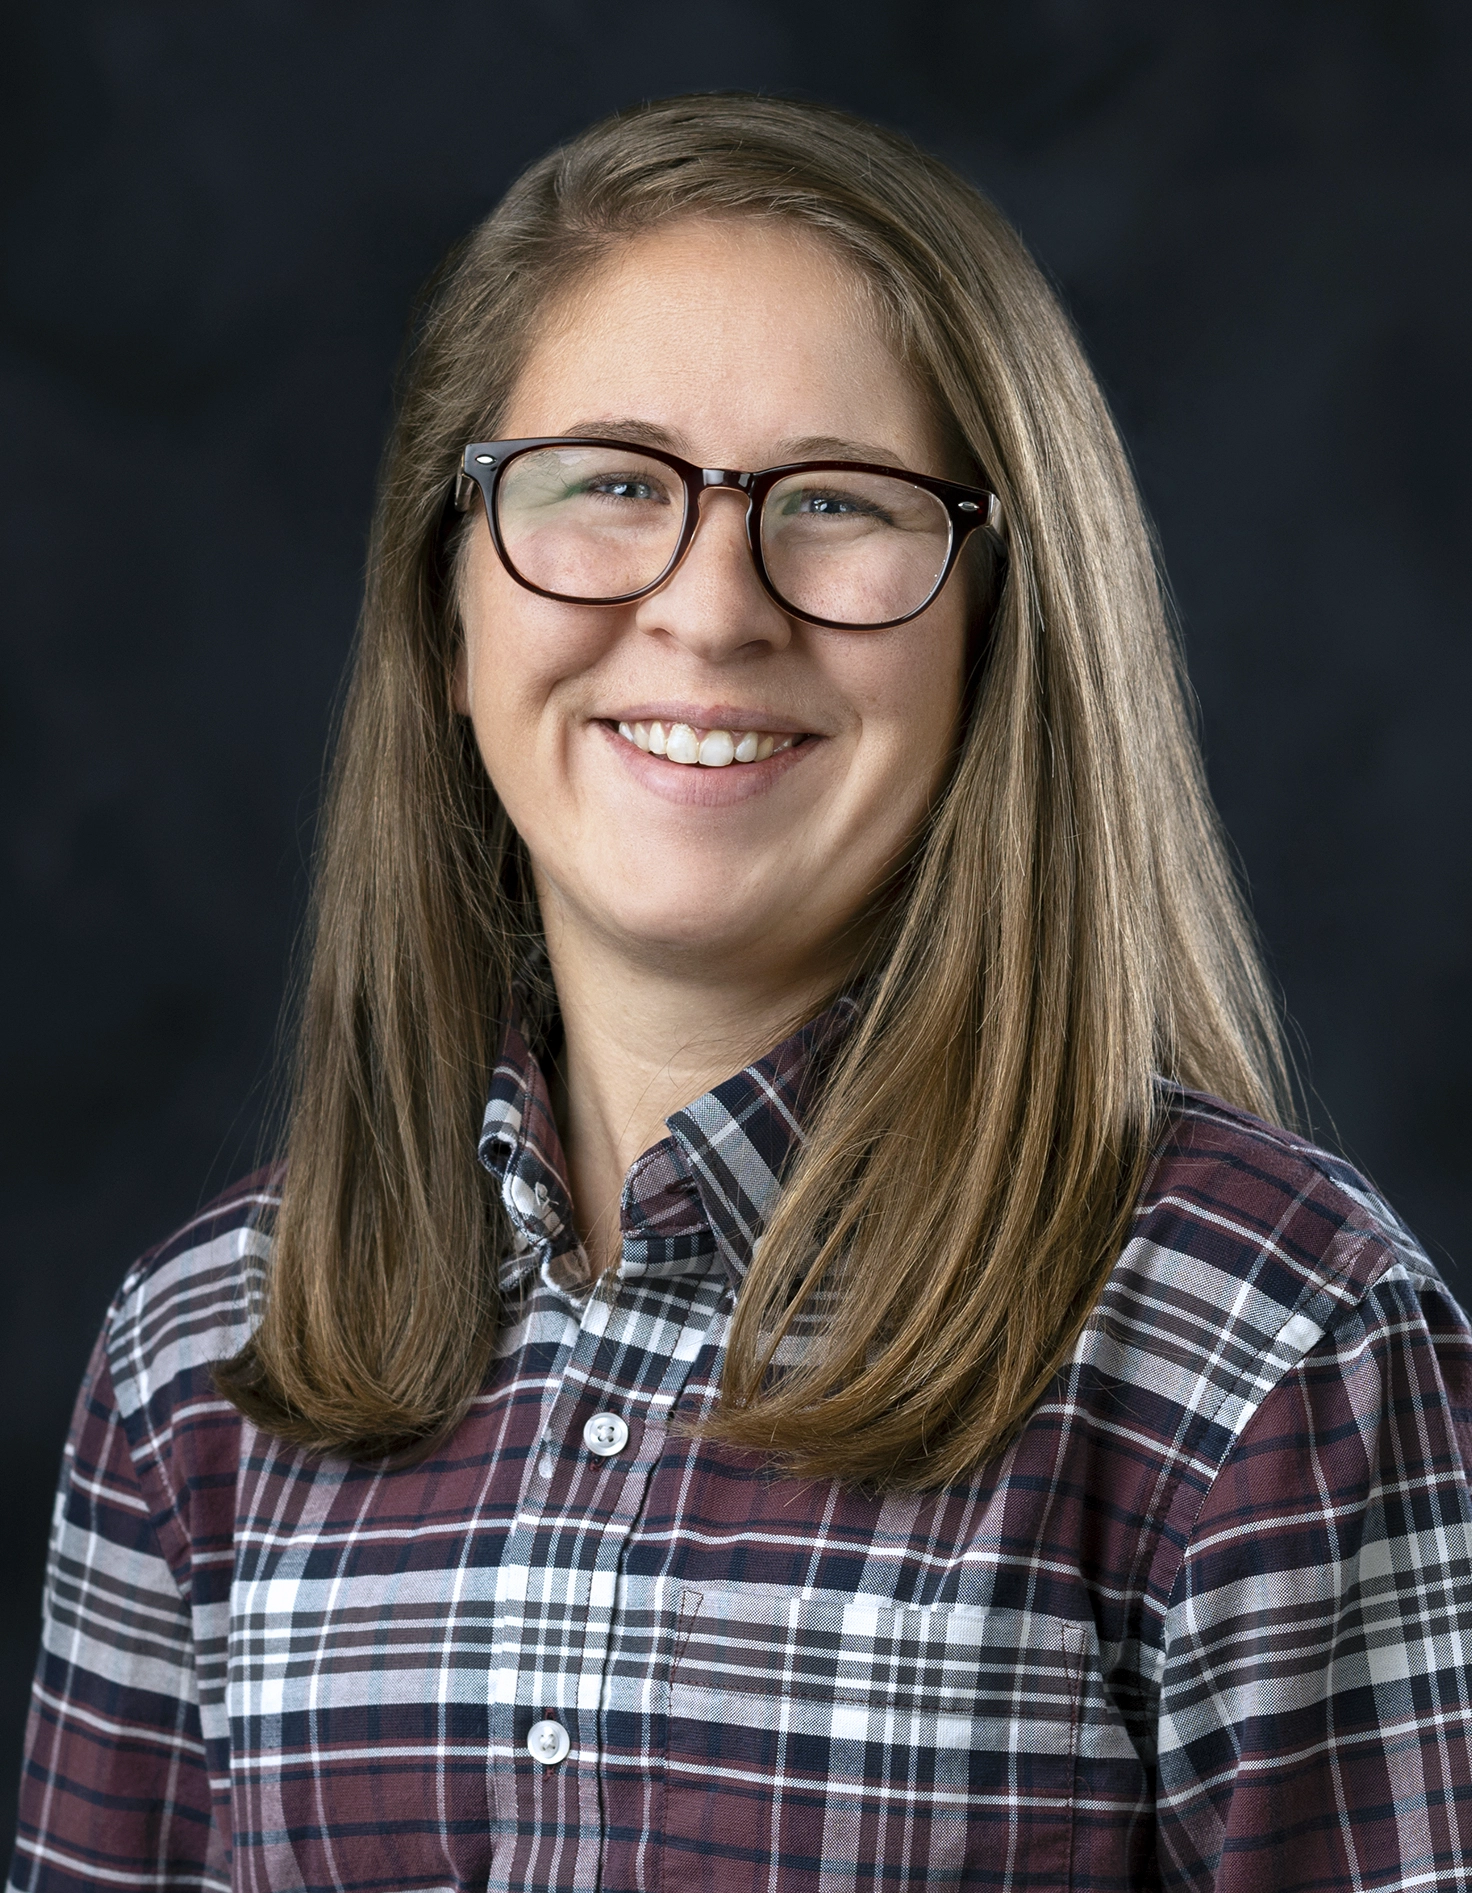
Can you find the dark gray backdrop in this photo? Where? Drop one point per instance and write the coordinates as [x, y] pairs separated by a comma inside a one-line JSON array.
[[213, 221]]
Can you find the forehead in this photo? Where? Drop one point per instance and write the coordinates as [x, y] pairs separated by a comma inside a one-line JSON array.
[[731, 337]]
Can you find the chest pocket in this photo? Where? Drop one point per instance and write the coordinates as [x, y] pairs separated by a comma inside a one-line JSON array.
[[830, 1743]]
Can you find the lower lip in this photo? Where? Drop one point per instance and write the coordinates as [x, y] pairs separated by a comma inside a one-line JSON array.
[[699, 787]]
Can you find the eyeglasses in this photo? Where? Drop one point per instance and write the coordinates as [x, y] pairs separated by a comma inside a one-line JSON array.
[[838, 543]]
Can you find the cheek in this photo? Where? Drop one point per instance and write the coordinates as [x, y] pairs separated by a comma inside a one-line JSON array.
[[912, 691], [498, 658], [516, 652], [500, 692], [505, 698]]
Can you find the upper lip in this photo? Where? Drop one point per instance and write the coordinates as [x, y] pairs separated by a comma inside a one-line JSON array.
[[712, 716]]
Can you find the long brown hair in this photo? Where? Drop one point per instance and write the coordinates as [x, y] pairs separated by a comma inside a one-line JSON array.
[[1068, 929]]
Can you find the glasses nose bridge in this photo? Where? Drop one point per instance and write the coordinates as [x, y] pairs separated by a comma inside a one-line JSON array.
[[724, 480], [718, 480], [726, 476]]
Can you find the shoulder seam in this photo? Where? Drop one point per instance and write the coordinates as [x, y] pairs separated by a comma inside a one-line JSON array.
[[1343, 1313]]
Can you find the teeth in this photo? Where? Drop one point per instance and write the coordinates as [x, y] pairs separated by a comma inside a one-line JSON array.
[[717, 748], [682, 744], [712, 749]]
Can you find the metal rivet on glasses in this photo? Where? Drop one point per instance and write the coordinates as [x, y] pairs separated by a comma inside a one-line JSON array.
[[606, 1434], [489, 460], [547, 1743], [966, 506]]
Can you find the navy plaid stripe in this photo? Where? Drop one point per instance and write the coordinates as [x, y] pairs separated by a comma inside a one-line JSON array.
[[1206, 1624]]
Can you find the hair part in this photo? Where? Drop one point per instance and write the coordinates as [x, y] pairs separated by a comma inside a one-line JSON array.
[[1069, 929]]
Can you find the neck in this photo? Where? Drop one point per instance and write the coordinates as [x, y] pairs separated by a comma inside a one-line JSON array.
[[641, 1040]]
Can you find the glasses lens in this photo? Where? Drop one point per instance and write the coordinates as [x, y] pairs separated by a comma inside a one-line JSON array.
[[855, 548], [588, 521]]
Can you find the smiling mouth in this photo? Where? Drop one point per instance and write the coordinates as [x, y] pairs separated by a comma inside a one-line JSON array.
[[707, 749]]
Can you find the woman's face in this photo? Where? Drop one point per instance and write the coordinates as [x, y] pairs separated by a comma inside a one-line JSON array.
[[735, 345]]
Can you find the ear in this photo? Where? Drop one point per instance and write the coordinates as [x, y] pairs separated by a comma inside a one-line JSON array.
[[460, 681]]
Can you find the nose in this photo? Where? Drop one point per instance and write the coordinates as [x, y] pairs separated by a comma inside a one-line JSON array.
[[713, 604]]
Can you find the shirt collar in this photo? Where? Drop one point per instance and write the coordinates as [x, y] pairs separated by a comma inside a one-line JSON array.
[[706, 1189]]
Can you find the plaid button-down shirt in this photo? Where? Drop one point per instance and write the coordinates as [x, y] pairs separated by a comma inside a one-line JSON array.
[[1206, 1624]]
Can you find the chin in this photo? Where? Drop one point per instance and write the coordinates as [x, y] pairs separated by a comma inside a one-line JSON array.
[[670, 933], [692, 920]]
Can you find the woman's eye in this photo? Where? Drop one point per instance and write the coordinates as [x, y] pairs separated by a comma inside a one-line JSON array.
[[631, 489], [836, 506]]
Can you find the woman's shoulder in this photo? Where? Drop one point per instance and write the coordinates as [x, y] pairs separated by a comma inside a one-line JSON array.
[[1250, 1245], [1256, 1200], [192, 1300]]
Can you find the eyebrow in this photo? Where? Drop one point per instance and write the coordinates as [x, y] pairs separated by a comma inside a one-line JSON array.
[[805, 447], [834, 447], [644, 433]]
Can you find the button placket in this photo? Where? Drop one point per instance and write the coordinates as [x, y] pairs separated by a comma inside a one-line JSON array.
[[545, 1502], [616, 1482], [595, 1320]]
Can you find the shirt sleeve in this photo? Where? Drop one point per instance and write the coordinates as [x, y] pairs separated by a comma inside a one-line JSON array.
[[1315, 1719], [114, 1791]]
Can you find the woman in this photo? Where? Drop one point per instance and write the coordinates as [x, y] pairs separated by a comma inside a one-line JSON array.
[[969, 1443]]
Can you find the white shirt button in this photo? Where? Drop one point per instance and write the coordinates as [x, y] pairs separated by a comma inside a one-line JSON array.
[[606, 1434], [547, 1743]]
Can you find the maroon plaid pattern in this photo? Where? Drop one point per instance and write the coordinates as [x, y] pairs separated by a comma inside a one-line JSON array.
[[1206, 1624]]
